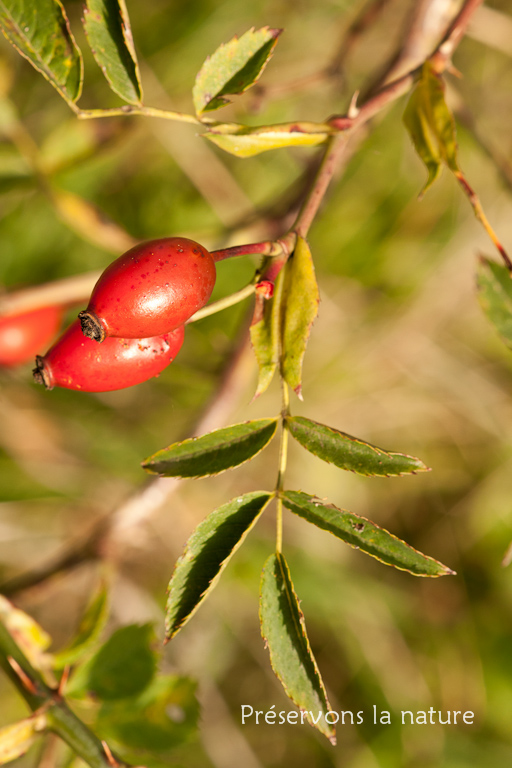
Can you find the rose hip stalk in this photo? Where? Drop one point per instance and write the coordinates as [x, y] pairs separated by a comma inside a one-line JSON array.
[[75, 362], [24, 334], [150, 290]]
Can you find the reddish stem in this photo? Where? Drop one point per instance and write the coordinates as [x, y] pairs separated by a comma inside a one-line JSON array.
[[267, 248]]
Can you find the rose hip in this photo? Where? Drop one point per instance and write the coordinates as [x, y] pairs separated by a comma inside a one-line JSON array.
[[75, 362], [24, 334], [150, 290]]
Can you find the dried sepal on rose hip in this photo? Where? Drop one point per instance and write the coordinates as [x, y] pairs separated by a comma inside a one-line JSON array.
[[24, 334], [75, 362], [150, 290]]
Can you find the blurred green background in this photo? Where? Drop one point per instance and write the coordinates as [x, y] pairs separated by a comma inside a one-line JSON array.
[[400, 355]]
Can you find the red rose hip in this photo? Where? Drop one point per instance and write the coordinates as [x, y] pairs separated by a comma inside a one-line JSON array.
[[75, 362], [24, 334], [150, 290]]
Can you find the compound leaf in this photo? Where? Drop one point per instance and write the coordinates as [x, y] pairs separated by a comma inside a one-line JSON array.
[[350, 453], [206, 554], [108, 31], [233, 68], [284, 631], [214, 452], [39, 30], [362, 534]]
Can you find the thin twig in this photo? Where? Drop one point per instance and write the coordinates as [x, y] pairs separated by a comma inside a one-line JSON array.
[[330, 162], [479, 213], [440, 59], [82, 549], [64, 292], [423, 28], [358, 116], [456, 32]]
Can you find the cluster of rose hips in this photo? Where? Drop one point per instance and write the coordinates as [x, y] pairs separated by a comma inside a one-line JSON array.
[[133, 326]]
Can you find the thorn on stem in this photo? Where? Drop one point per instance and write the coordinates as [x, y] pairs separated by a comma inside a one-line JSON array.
[[454, 71], [25, 679], [63, 680], [353, 109], [507, 557], [110, 757]]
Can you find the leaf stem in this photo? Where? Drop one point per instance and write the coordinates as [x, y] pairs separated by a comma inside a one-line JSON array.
[[480, 215], [266, 248], [283, 458], [135, 109], [227, 301]]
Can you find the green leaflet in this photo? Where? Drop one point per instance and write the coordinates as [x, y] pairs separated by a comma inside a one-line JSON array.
[[146, 722], [39, 30], [284, 632], [300, 310], [214, 452], [440, 117], [89, 631], [362, 534], [206, 554], [495, 296], [233, 68], [416, 123], [125, 665], [431, 125], [265, 335], [108, 31], [283, 331], [350, 453], [247, 142]]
